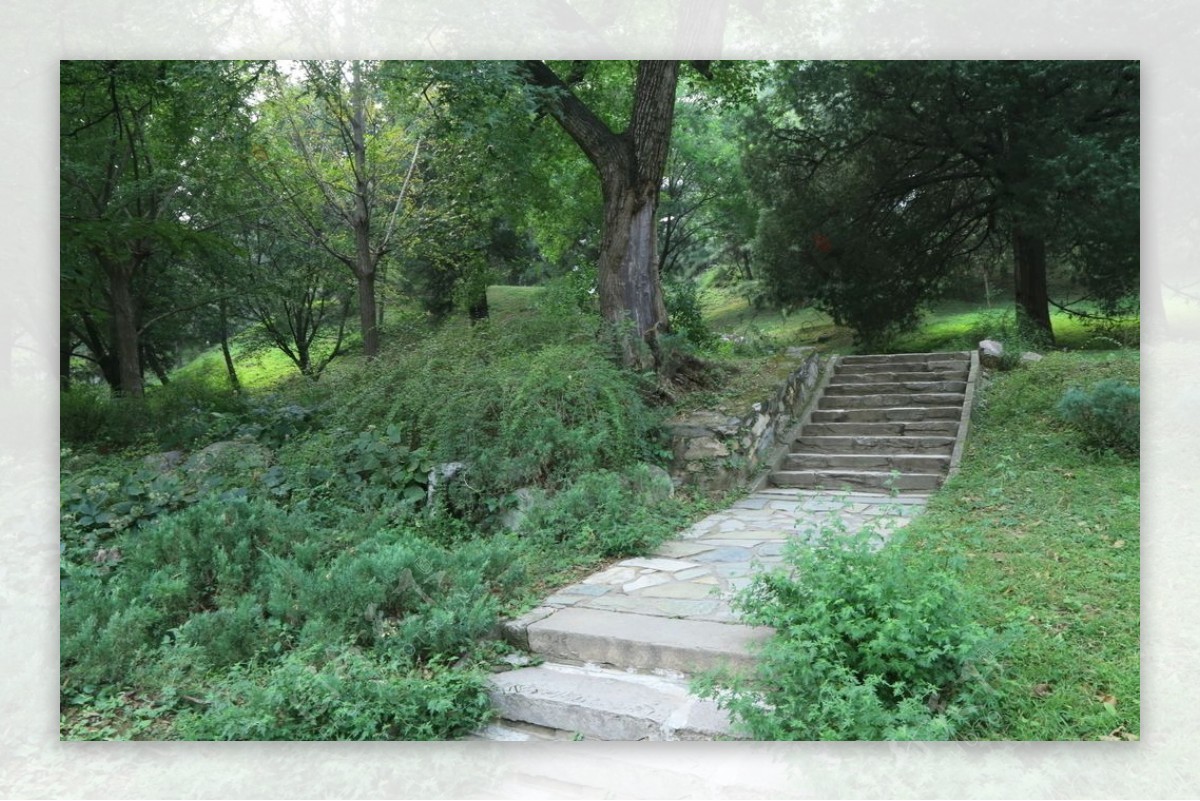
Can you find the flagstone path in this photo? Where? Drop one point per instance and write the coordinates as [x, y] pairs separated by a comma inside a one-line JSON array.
[[611, 656]]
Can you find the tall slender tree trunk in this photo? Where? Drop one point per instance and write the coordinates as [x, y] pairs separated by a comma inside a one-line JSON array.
[[66, 347], [125, 331], [1029, 279], [364, 259], [222, 308]]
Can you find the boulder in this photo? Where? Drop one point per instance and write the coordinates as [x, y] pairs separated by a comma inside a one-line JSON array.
[[164, 462], [991, 353], [439, 476], [1029, 357], [244, 454]]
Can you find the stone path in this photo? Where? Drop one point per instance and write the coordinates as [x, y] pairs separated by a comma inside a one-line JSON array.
[[617, 649]]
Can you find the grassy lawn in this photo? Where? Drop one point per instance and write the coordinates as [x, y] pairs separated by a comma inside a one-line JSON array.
[[1047, 534], [949, 325]]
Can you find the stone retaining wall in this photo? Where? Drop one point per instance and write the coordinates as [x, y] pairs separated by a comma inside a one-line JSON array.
[[716, 451]]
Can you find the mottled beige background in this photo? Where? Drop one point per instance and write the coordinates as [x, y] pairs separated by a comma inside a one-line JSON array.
[[35, 34]]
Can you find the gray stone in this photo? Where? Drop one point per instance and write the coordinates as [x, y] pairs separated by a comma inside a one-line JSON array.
[[606, 705], [162, 462], [526, 499], [243, 453], [678, 589], [725, 555], [705, 448], [644, 641], [1029, 357], [990, 353]]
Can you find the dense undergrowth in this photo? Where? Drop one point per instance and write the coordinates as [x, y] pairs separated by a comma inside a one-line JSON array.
[[1008, 610], [302, 579]]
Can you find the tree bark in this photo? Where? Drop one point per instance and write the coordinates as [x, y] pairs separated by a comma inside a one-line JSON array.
[[364, 259], [631, 166], [1029, 279], [225, 352], [125, 330]]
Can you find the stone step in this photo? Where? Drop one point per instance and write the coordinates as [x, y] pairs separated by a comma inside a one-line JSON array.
[[890, 358], [516, 731], [643, 642], [840, 379], [904, 414], [891, 400], [902, 445], [897, 387], [857, 479], [902, 367], [904, 462], [600, 704], [893, 429]]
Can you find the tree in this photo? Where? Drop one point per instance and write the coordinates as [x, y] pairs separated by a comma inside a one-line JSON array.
[[132, 134], [630, 165], [347, 144], [884, 177]]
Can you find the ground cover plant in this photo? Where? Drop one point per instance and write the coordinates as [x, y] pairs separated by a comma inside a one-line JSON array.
[[301, 579], [1009, 610]]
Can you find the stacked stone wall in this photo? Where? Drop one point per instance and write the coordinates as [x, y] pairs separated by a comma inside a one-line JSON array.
[[716, 451]]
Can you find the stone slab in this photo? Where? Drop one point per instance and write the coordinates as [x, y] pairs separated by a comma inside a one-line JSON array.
[[643, 641]]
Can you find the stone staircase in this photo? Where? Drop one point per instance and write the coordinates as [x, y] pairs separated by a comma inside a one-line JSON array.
[[610, 658], [882, 423]]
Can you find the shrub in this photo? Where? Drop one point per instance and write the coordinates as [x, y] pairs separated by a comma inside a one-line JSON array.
[[605, 513], [870, 645], [682, 300], [321, 693], [1107, 415]]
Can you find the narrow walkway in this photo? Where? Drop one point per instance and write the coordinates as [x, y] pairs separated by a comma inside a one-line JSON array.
[[616, 650]]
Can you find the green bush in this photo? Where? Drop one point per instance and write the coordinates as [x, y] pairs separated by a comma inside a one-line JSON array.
[[870, 645], [605, 513], [339, 693], [1107, 415], [682, 299], [398, 593]]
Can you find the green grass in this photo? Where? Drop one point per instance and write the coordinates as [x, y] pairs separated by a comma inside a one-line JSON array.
[[949, 325], [1047, 535]]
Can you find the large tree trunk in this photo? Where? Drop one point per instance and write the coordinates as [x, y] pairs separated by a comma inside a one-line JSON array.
[[631, 166], [1029, 278], [366, 312], [629, 287]]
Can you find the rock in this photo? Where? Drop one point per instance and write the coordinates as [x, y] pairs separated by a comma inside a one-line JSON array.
[[660, 486], [440, 475], [164, 462], [705, 448], [991, 353], [1029, 357], [242, 453], [527, 498]]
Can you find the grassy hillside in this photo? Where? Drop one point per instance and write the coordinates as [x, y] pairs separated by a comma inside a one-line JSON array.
[[253, 593]]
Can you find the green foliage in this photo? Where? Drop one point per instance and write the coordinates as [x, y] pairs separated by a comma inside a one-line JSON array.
[[871, 644], [1048, 532], [174, 416], [682, 299], [883, 180], [1107, 415], [514, 412], [606, 514], [322, 693]]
